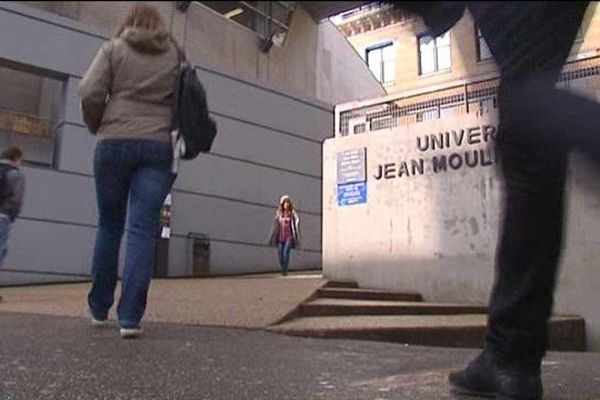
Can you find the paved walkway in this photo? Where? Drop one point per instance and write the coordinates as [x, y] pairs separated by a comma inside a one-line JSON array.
[[62, 358], [253, 301], [48, 352]]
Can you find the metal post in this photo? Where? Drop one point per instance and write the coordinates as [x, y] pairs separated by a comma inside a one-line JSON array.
[[466, 99]]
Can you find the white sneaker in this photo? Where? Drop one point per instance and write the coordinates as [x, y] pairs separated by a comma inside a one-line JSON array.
[[131, 333], [97, 323]]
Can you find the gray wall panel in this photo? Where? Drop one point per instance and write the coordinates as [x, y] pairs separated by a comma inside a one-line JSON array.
[[9, 278], [254, 163], [247, 102], [72, 106], [233, 221], [45, 45], [239, 180], [232, 258], [76, 149], [59, 197], [58, 248], [265, 146]]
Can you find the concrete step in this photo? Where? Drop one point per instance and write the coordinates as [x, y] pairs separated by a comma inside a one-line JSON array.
[[342, 284], [567, 333], [332, 307], [367, 294]]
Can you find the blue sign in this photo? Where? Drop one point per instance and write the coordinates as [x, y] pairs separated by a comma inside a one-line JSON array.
[[352, 193]]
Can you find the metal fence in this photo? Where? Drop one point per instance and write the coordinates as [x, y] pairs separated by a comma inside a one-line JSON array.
[[473, 97]]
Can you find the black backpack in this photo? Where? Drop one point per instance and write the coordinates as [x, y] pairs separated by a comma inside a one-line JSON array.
[[194, 128]]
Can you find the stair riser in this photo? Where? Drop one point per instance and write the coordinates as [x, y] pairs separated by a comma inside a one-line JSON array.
[[341, 285], [315, 310], [324, 293], [567, 335]]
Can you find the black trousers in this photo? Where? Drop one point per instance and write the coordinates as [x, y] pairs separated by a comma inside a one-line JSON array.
[[539, 125]]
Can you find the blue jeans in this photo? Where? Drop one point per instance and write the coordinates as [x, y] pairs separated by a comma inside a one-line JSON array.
[[284, 254], [5, 223], [135, 172]]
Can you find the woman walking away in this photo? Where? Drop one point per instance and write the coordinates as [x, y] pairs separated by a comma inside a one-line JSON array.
[[285, 233], [127, 96]]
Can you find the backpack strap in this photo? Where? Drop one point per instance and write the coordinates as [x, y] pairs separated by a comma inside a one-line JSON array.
[[183, 62], [177, 142], [180, 52]]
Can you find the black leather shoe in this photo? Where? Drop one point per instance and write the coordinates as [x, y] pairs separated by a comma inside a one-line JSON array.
[[486, 376]]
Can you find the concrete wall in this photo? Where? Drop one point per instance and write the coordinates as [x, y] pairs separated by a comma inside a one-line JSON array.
[[298, 67], [269, 143], [435, 233], [336, 72]]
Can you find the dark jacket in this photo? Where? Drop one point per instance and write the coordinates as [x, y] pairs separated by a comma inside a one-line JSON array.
[[516, 32], [439, 16], [12, 190]]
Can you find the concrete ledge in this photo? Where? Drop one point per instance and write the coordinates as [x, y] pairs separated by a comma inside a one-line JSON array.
[[467, 331]]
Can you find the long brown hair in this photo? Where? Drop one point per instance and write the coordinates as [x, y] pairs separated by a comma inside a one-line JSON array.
[[281, 203], [143, 16]]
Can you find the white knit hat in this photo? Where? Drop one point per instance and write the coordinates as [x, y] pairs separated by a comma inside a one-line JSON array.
[[284, 198]]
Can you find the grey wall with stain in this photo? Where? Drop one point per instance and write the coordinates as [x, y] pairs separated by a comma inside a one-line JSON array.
[[445, 249]]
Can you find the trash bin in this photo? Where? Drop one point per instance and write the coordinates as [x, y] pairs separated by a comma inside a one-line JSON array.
[[199, 253]]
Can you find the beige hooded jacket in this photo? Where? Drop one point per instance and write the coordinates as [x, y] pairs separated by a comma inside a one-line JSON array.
[[127, 92]]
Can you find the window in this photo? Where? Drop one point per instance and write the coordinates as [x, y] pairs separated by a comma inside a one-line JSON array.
[[381, 61], [428, 115], [357, 125], [383, 122], [481, 106], [483, 51], [488, 105], [434, 54], [30, 108], [439, 112], [267, 18], [447, 112]]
